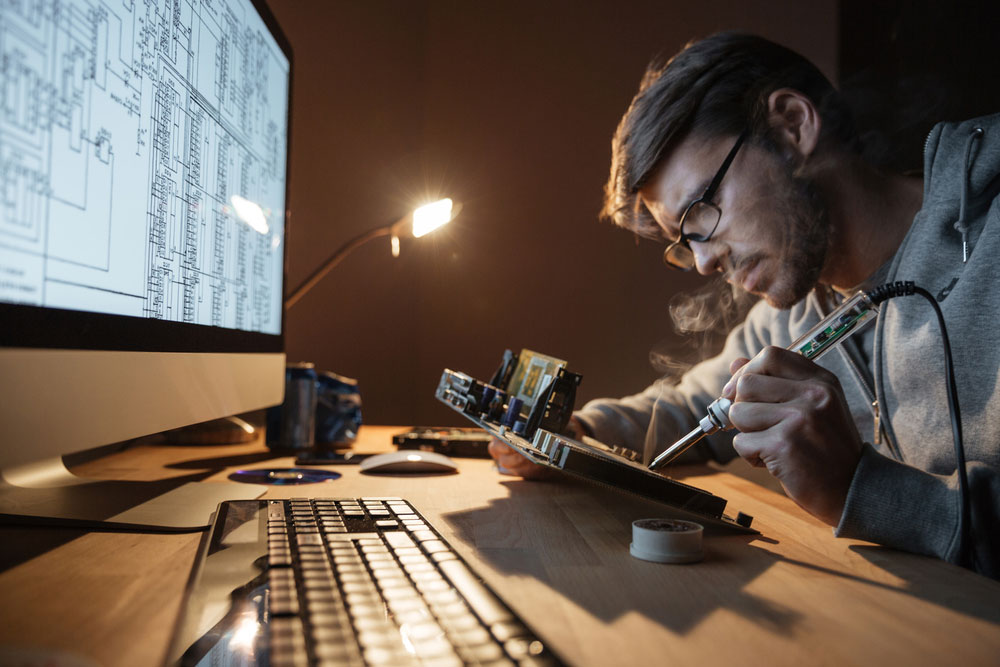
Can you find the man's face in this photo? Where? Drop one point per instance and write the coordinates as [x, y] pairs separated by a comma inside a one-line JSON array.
[[773, 234]]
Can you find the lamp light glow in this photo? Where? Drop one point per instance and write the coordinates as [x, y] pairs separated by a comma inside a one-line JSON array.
[[419, 223], [429, 217], [250, 213]]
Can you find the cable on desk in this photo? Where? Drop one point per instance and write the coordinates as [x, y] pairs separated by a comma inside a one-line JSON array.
[[92, 525]]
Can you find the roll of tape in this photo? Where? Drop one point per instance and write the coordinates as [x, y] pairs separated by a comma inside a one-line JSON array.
[[666, 540]]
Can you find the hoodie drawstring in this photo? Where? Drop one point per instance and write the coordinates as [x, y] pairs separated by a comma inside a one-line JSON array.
[[962, 225]]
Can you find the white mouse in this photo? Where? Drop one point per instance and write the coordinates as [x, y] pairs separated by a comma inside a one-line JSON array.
[[408, 461]]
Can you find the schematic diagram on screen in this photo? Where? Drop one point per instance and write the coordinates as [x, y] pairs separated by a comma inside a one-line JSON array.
[[143, 160]]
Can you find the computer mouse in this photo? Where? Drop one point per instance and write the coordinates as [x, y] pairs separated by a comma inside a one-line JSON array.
[[408, 461]]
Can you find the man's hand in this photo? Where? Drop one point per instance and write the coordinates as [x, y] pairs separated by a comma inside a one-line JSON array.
[[793, 420], [513, 463]]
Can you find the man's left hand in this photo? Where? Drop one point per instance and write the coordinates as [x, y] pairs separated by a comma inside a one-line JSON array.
[[793, 420]]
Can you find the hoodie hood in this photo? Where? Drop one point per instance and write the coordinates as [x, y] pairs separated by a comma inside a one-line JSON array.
[[961, 167]]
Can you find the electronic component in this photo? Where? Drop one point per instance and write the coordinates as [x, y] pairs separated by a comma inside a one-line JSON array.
[[544, 414], [456, 442]]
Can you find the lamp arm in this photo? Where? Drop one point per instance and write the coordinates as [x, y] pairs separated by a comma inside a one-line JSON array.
[[332, 261]]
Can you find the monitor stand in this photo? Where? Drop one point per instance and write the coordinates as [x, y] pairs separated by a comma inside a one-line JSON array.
[[46, 493]]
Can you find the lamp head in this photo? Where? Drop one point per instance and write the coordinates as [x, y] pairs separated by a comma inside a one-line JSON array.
[[423, 220]]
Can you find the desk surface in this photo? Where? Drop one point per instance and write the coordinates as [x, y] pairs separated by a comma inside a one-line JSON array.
[[557, 552]]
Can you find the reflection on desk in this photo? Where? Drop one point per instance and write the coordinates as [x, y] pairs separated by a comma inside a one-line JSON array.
[[557, 552]]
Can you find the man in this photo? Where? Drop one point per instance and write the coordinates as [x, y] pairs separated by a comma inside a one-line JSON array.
[[741, 157]]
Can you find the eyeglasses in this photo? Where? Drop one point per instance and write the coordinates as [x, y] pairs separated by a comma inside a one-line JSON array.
[[700, 218]]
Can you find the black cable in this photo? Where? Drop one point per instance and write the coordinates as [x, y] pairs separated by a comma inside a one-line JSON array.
[[92, 525], [906, 288]]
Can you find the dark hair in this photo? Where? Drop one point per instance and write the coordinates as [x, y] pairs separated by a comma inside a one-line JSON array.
[[716, 86]]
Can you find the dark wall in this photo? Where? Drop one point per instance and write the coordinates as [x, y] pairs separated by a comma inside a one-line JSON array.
[[908, 64], [509, 107]]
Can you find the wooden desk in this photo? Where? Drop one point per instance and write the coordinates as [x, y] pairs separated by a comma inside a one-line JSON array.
[[558, 554]]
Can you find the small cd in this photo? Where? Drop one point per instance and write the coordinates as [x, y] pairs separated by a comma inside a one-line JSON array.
[[283, 476]]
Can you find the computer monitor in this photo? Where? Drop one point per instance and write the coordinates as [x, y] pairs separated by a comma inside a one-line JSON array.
[[144, 164]]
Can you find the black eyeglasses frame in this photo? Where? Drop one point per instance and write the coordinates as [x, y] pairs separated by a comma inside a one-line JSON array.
[[683, 243]]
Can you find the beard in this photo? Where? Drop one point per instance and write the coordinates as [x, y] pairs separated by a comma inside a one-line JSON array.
[[805, 242]]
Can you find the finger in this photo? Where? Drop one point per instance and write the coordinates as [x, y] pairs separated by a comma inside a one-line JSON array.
[[756, 388], [737, 363], [751, 417], [748, 448], [734, 370], [785, 363], [497, 448], [511, 459], [518, 465], [506, 455]]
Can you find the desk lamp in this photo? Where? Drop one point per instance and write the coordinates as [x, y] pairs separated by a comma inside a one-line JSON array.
[[415, 224], [420, 222]]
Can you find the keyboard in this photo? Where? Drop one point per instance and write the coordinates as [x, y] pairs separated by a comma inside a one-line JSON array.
[[364, 581]]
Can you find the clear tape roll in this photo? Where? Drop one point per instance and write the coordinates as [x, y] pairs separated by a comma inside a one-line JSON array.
[[666, 540]]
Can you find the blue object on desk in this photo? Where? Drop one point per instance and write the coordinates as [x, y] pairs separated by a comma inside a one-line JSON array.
[[337, 412], [338, 409]]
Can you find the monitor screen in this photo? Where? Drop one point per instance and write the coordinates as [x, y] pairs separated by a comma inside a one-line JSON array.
[[144, 164]]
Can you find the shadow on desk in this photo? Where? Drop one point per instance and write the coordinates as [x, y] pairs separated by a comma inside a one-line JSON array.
[[223, 462], [103, 499], [579, 548]]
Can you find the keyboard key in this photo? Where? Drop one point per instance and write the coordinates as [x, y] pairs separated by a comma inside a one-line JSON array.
[[283, 605], [423, 631], [392, 594], [419, 567], [414, 617], [432, 586], [387, 581], [289, 658], [416, 559], [460, 622], [336, 653], [442, 598], [506, 630], [398, 540], [476, 637], [331, 634], [362, 599], [443, 661], [382, 656], [437, 647], [480, 598], [358, 587], [388, 638], [403, 605], [481, 653], [372, 609], [328, 619]]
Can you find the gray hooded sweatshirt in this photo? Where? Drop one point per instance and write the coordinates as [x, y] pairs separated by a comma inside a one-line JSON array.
[[905, 491]]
